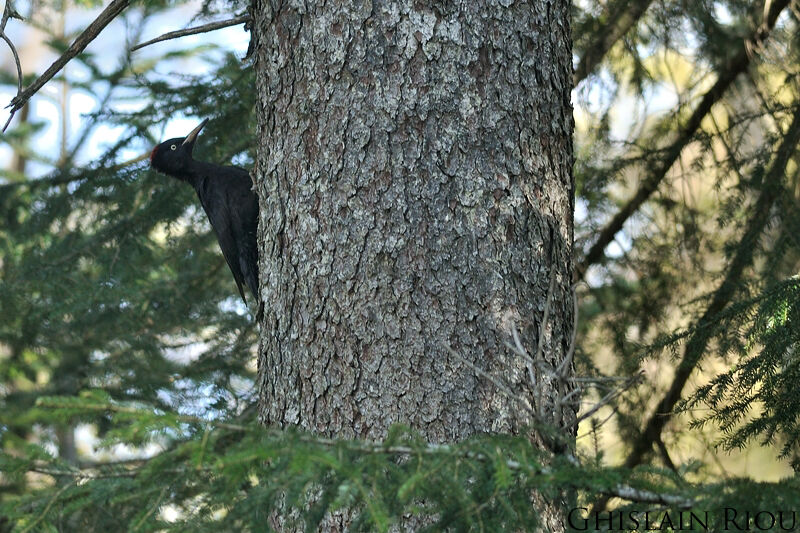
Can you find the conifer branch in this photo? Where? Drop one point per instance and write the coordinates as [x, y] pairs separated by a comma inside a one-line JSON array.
[[205, 28], [631, 494], [623, 20], [10, 12], [501, 387], [611, 396], [134, 468], [772, 185], [78, 45], [564, 366], [686, 132], [53, 500]]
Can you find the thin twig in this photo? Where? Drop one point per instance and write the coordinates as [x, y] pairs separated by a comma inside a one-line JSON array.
[[563, 367], [598, 379], [520, 350], [497, 383], [10, 12], [85, 464], [241, 19], [546, 314], [540, 341], [608, 398], [574, 392], [47, 508], [139, 158], [597, 425], [77, 46], [542, 365]]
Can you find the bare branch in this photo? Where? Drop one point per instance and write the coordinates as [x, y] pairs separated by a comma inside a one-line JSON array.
[[497, 383], [545, 315], [78, 45], [563, 367], [9, 12], [241, 19], [608, 398], [645, 496], [539, 387]]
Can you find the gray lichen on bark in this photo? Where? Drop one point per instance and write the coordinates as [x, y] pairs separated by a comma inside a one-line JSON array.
[[414, 173]]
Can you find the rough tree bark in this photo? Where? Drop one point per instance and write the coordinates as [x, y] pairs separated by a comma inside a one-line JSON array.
[[414, 168]]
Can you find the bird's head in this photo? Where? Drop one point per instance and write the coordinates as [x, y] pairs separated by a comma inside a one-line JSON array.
[[174, 156]]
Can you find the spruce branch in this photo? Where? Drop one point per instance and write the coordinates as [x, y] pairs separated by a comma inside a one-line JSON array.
[[626, 15], [52, 501], [10, 12], [700, 337], [626, 492], [458, 452], [78, 45], [738, 64], [612, 395], [205, 28]]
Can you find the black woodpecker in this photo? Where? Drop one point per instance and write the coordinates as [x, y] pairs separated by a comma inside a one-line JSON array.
[[226, 194]]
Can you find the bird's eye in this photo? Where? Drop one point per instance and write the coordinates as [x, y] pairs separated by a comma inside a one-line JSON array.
[[173, 147]]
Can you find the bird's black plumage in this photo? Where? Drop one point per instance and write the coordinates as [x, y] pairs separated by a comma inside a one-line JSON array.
[[228, 199]]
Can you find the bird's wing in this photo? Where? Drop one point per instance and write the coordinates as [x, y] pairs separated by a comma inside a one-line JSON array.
[[248, 261], [244, 211], [216, 204]]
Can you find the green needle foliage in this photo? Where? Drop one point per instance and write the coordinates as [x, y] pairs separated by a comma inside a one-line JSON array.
[[758, 397], [234, 476], [111, 277], [237, 475]]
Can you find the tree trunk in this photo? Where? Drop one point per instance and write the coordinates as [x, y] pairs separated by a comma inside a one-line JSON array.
[[414, 173]]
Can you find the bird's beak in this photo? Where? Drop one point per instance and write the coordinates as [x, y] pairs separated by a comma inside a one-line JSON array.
[[193, 134]]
